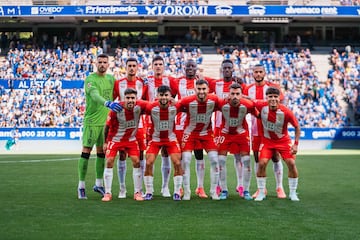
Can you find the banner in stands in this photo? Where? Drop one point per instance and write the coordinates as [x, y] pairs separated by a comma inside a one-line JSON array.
[[180, 10], [27, 84], [75, 133]]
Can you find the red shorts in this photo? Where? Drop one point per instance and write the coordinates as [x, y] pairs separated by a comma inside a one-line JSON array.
[[131, 148], [179, 135], [234, 143], [255, 143], [171, 147], [283, 147], [217, 132], [194, 142], [141, 138]]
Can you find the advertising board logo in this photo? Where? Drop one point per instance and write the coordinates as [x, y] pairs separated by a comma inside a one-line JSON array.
[[324, 134], [187, 10], [223, 10], [34, 10], [110, 9], [46, 10], [358, 11], [311, 10], [257, 10]]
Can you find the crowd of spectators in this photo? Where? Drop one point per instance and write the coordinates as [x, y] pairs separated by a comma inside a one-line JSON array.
[[314, 102], [350, 2], [346, 72], [37, 107], [52, 106]]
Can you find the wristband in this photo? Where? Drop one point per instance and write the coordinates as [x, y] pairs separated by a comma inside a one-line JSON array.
[[296, 143]]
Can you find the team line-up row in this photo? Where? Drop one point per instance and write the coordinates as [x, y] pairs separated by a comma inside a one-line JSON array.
[[188, 122]]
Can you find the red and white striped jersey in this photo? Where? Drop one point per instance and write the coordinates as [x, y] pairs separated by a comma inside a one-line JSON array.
[[163, 122], [256, 92], [122, 84], [184, 87], [233, 118], [221, 89], [198, 114], [275, 123], [123, 125], [153, 84]]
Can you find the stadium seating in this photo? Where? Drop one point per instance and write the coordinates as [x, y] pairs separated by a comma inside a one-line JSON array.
[[315, 103]]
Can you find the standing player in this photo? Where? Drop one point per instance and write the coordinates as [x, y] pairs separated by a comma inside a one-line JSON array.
[[186, 87], [131, 81], [275, 118], [198, 133], [234, 137], [162, 136], [120, 135], [98, 96], [256, 91], [154, 82], [221, 88]]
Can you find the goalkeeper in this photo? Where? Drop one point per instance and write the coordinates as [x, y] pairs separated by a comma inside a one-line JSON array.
[[98, 96]]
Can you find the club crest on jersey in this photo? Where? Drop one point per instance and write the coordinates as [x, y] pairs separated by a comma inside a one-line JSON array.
[[89, 85]]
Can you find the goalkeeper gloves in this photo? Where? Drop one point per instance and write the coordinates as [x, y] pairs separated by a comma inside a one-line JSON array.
[[113, 106]]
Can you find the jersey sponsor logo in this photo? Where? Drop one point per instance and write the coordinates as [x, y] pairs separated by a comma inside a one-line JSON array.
[[233, 122], [201, 118], [163, 125], [190, 92], [130, 124]]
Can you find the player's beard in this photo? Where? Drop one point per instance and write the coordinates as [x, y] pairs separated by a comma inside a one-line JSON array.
[[130, 105], [202, 97], [102, 69], [235, 102], [163, 103]]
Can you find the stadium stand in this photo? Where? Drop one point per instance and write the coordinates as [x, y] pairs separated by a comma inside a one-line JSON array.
[[314, 101]]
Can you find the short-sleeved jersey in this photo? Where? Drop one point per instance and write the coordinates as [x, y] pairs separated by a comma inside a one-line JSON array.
[[123, 125], [122, 84], [256, 92], [184, 87], [198, 114], [163, 122], [221, 89], [275, 123], [154, 83], [96, 112], [234, 118]]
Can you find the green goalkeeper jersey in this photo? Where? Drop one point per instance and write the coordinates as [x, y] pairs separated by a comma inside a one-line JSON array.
[[98, 90]]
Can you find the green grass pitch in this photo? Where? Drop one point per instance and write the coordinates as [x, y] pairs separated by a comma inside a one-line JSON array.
[[39, 201]]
